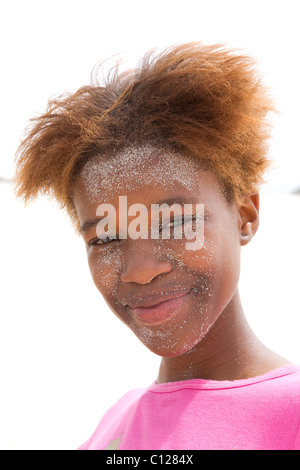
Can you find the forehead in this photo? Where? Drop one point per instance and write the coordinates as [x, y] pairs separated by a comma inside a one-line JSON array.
[[137, 167]]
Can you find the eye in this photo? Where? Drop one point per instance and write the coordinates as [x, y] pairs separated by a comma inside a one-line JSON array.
[[99, 241], [177, 221]]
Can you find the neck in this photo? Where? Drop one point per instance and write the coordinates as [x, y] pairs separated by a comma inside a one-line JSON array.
[[229, 351]]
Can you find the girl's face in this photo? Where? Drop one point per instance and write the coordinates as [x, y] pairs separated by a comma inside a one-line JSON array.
[[167, 295]]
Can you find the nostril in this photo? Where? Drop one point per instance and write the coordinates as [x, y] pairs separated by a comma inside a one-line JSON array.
[[144, 272], [137, 278]]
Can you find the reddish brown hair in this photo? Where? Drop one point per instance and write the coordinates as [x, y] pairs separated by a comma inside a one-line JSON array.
[[204, 101]]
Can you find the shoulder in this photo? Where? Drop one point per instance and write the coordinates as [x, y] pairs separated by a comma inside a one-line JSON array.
[[279, 387], [282, 405], [288, 383], [112, 420]]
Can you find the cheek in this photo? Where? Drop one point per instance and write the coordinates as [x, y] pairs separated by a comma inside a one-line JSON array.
[[214, 269], [203, 261], [105, 267]]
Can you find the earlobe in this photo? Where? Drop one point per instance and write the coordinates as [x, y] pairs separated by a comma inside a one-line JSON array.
[[246, 233]]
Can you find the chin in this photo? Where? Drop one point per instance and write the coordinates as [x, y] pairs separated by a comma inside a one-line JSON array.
[[163, 344]]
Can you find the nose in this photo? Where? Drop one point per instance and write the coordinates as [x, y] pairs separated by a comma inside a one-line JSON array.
[[142, 265]]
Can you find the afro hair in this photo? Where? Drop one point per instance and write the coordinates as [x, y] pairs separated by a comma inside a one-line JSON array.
[[204, 101]]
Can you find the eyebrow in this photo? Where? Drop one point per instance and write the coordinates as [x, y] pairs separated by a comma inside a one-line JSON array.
[[89, 224], [175, 200]]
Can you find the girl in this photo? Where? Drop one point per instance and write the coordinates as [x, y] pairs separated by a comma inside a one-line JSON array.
[[183, 134]]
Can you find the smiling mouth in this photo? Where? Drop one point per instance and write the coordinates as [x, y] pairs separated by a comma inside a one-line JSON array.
[[161, 311]]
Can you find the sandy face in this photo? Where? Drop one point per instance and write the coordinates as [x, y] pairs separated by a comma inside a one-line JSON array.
[[128, 271]]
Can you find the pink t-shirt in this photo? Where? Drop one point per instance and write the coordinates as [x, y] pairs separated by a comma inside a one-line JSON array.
[[261, 413]]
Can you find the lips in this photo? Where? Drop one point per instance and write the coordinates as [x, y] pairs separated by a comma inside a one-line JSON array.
[[156, 298], [159, 308]]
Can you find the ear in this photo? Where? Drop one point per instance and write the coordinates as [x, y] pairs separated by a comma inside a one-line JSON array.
[[249, 218]]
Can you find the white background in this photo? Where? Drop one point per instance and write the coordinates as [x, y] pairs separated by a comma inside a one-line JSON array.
[[64, 357]]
